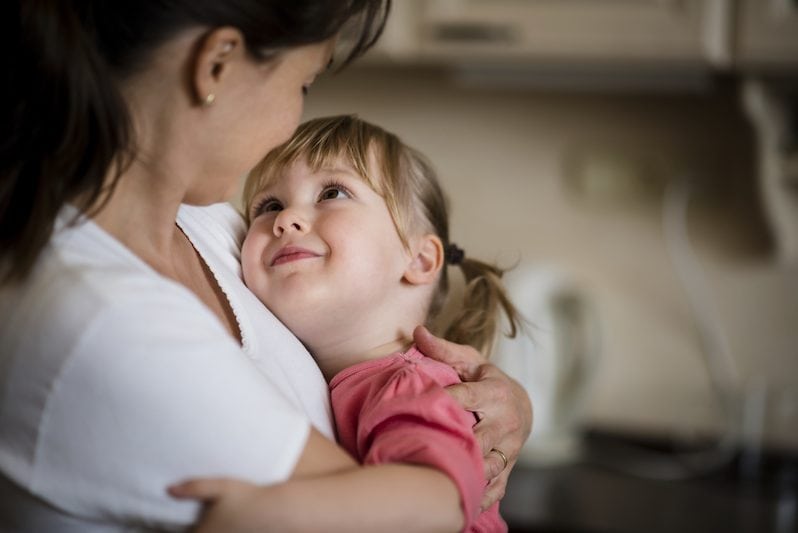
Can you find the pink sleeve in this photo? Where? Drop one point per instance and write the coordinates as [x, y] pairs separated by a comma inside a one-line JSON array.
[[412, 419]]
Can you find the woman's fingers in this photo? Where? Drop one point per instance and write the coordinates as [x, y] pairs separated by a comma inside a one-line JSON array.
[[500, 403], [205, 490], [486, 388], [495, 464], [464, 359], [467, 396], [496, 488], [502, 408]]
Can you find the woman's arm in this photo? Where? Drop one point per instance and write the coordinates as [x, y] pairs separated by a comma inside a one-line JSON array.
[[500, 403], [330, 492]]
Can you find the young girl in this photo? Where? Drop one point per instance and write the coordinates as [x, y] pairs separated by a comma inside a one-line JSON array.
[[348, 245]]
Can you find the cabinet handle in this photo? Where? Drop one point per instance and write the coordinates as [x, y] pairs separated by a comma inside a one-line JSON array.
[[473, 32]]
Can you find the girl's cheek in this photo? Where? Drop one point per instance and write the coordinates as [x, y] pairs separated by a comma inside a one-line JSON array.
[[249, 251]]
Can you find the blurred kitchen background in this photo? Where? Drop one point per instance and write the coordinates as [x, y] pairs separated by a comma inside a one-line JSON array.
[[637, 162]]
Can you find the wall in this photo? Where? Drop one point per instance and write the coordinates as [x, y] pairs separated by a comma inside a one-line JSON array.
[[574, 179]]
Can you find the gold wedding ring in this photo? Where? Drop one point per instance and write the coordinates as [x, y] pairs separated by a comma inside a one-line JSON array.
[[504, 457]]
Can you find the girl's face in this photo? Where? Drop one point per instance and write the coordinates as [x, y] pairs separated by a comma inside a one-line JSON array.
[[322, 251]]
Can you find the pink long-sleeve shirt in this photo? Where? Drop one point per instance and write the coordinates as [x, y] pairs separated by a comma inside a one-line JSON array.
[[395, 410]]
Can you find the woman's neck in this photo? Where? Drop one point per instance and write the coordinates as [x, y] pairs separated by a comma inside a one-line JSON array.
[[141, 214], [142, 217], [142, 210]]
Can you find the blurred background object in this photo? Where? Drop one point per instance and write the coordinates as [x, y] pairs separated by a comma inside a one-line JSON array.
[[554, 356], [773, 110], [642, 156]]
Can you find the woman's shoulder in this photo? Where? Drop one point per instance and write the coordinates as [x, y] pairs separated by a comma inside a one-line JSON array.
[[104, 363], [84, 276], [87, 307], [89, 303]]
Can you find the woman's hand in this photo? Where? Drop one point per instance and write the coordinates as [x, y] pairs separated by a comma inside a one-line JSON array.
[[229, 505], [500, 403]]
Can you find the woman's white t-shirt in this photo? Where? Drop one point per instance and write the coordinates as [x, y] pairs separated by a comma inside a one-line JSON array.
[[116, 382]]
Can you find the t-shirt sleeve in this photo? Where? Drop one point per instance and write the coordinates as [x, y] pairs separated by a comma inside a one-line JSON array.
[[155, 394], [220, 222], [412, 419]]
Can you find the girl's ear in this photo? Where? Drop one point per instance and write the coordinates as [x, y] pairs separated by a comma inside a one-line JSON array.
[[426, 262], [216, 54]]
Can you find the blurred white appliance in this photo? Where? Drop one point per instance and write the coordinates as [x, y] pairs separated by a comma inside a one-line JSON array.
[[772, 107], [554, 358]]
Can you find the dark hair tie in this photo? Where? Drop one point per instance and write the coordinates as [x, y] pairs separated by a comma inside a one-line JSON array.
[[454, 254]]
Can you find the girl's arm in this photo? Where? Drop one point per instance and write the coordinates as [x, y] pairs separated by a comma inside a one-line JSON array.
[[329, 492]]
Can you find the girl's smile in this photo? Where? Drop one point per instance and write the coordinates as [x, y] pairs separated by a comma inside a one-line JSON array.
[[323, 251], [289, 254]]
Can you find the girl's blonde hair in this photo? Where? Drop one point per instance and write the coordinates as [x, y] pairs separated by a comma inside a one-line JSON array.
[[416, 202]]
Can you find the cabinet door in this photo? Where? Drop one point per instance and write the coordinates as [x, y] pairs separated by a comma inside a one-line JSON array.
[[767, 34], [582, 31]]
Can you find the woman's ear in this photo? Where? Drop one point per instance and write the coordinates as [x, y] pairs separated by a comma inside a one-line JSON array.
[[214, 60], [426, 262]]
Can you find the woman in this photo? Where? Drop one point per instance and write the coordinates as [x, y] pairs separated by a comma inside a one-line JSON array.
[[132, 355]]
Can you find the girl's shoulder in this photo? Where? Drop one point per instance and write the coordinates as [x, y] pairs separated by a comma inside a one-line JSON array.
[[397, 374], [440, 372]]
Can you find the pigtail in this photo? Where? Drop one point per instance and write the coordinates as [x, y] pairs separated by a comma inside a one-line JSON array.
[[64, 125], [484, 299]]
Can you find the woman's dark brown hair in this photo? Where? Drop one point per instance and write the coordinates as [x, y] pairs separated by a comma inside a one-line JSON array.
[[65, 123]]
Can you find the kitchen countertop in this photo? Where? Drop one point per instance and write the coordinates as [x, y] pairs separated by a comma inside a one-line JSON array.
[[613, 489]]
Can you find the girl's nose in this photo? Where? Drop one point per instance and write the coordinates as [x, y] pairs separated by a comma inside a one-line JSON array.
[[288, 221]]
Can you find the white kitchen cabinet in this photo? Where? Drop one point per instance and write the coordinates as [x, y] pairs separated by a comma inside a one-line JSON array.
[[572, 34], [556, 31], [596, 30]]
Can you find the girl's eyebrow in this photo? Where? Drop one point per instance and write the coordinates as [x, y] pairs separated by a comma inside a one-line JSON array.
[[339, 170]]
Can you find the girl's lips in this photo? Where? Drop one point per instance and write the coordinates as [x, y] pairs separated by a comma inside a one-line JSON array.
[[291, 253]]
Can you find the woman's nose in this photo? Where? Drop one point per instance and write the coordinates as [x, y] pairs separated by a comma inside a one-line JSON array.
[[288, 221]]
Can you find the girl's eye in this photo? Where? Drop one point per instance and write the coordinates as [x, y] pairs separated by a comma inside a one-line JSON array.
[[267, 205], [305, 89], [333, 191]]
